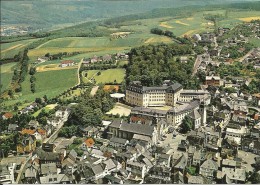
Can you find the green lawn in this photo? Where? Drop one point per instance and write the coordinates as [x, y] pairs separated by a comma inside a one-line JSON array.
[[106, 76], [255, 42], [6, 75], [122, 63], [50, 83]]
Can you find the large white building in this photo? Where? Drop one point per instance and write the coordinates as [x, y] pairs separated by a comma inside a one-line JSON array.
[[139, 95], [183, 102]]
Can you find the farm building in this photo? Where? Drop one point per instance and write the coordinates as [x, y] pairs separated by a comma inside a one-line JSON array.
[[67, 63]]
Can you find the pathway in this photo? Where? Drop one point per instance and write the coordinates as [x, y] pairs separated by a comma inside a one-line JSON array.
[[196, 64], [244, 57], [94, 90], [21, 171], [79, 65]]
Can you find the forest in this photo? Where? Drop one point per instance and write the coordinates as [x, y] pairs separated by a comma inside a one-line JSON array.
[[153, 64]]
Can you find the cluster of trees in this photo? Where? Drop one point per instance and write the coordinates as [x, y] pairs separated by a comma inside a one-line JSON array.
[[32, 72], [153, 64], [215, 18], [186, 125], [20, 73], [171, 35], [235, 52], [88, 112]]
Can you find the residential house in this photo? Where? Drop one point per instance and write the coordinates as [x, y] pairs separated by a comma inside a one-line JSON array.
[[136, 169], [7, 115], [118, 142], [161, 173], [47, 157], [195, 179], [67, 63], [31, 174], [48, 169], [231, 176], [257, 99], [7, 173], [198, 157], [213, 81], [12, 127], [107, 58], [208, 168], [27, 144]]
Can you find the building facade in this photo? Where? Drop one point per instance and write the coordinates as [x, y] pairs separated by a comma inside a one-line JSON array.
[[139, 95]]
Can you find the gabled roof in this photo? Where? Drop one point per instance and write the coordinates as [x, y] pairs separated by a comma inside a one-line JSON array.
[[137, 128], [195, 114], [8, 115], [118, 140], [210, 164], [97, 169], [48, 168]]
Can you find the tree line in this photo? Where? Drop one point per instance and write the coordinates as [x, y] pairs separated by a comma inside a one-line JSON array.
[[170, 34]]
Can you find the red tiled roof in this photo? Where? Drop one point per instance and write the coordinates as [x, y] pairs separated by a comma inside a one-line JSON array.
[[67, 62], [8, 115], [41, 131], [27, 131], [89, 142]]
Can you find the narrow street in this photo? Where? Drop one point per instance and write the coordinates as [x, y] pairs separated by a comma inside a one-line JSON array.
[[196, 64]]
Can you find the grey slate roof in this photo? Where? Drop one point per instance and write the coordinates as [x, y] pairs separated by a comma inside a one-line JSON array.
[[97, 169], [195, 114], [210, 164], [48, 168], [184, 107], [195, 180], [137, 128], [118, 140]]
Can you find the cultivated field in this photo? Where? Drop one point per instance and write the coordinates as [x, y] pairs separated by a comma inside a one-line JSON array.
[[8, 50], [106, 76]]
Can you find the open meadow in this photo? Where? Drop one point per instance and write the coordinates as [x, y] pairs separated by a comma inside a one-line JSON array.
[[6, 75], [106, 76]]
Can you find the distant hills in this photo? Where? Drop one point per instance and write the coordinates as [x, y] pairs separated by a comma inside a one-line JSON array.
[[47, 14]]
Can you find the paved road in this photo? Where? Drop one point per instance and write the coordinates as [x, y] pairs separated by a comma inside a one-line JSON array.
[[22, 169], [255, 108], [244, 57], [52, 137], [196, 64], [79, 65]]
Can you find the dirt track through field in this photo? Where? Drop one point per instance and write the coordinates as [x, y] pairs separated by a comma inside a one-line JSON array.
[[13, 47], [165, 25], [44, 68]]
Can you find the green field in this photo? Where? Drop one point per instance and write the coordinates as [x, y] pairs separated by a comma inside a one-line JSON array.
[[96, 45], [8, 50], [106, 76], [50, 83], [255, 42], [6, 75]]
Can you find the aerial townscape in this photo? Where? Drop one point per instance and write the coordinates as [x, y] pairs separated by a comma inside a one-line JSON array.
[[130, 92]]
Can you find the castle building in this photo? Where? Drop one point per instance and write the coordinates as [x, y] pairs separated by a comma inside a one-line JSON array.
[[139, 95]]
